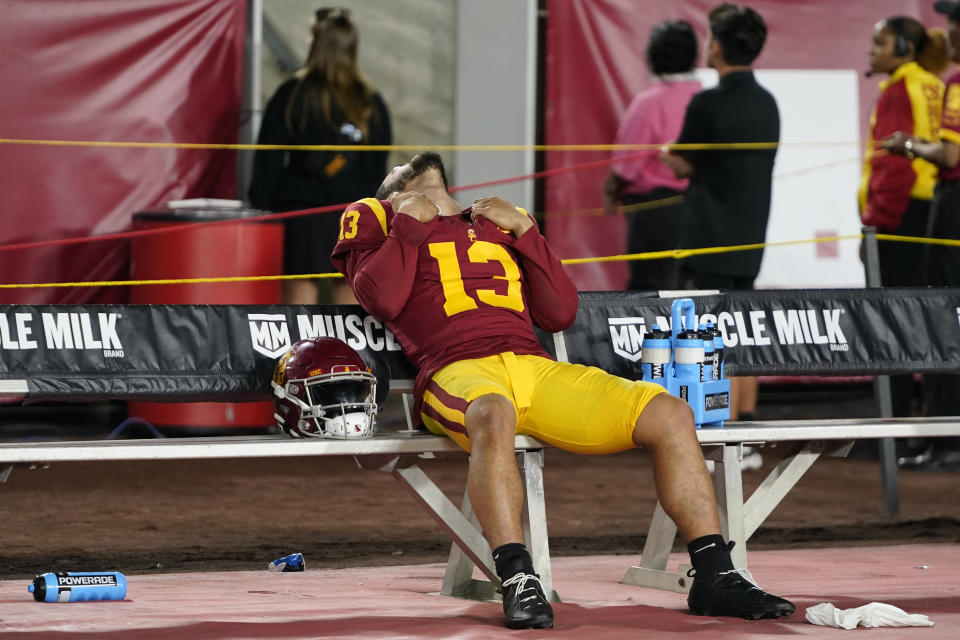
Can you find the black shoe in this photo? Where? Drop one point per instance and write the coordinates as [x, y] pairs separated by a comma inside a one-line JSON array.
[[524, 603], [733, 593]]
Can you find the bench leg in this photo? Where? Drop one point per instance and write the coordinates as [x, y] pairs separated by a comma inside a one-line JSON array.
[[777, 484], [458, 580], [656, 552], [470, 549], [464, 533], [535, 519], [739, 519], [728, 485]]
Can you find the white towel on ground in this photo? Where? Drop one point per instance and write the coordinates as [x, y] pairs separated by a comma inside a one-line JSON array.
[[875, 614]]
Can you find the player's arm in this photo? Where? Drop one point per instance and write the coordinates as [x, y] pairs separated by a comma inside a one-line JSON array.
[[503, 214], [379, 264], [551, 295]]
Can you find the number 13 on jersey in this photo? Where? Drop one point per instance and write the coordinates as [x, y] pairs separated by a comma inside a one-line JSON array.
[[456, 298]]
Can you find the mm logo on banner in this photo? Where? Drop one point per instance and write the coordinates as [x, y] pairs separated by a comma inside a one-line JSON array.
[[626, 336], [269, 333]]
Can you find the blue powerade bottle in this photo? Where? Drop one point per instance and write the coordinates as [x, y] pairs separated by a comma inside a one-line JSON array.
[[655, 355], [688, 356], [709, 362], [717, 351], [79, 586]]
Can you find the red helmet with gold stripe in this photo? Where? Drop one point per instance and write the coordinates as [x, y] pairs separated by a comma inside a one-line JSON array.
[[323, 389]]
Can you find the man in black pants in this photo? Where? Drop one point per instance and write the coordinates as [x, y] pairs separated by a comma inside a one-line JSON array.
[[728, 200]]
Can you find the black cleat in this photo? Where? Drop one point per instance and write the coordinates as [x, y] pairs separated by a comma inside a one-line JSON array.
[[524, 603], [733, 593]]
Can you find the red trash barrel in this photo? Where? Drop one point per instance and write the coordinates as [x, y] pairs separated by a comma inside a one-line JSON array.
[[235, 248]]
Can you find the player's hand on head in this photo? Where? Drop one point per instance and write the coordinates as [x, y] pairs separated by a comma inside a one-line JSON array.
[[503, 214], [414, 204]]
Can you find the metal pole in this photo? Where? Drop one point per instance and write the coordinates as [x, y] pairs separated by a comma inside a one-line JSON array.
[[881, 389], [251, 110]]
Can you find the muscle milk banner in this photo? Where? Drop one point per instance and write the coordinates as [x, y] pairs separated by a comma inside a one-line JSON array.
[[175, 352], [785, 332], [227, 352]]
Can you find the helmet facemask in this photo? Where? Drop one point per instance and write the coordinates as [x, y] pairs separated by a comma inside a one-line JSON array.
[[339, 404]]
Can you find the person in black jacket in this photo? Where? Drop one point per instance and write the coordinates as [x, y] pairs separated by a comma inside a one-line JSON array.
[[327, 102], [728, 199]]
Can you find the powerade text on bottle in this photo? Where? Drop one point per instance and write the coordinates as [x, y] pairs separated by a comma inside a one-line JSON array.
[[717, 350], [706, 371], [655, 354], [79, 586]]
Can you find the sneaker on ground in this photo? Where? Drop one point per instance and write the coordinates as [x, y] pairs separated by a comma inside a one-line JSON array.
[[524, 603], [734, 593]]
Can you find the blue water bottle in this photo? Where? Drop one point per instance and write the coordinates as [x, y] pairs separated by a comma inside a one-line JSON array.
[[706, 371], [655, 355], [688, 355], [717, 351], [79, 586]]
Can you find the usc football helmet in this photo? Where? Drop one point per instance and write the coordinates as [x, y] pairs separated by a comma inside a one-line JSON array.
[[323, 389]]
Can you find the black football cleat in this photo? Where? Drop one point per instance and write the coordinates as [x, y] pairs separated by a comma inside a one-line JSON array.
[[733, 593], [524, 603]]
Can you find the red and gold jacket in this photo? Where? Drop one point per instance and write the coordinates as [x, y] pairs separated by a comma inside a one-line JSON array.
[[911, 102]]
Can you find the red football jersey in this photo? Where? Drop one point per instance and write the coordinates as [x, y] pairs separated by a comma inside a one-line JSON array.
[[452, 289], [950, 124]]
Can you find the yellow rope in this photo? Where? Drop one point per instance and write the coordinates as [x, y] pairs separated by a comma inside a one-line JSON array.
[[686, 253], [943, 242], [124, 283], [409, 147], [676, 254]]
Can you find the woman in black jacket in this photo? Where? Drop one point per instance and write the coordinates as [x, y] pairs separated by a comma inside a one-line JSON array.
[[327, 102]]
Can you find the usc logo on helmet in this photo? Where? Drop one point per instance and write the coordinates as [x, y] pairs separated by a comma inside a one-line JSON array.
[[279, 372]]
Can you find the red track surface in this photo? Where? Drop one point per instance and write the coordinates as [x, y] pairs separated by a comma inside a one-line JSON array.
[[400, 602]]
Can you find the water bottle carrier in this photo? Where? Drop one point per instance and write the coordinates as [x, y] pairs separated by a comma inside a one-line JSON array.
[[688, 375]]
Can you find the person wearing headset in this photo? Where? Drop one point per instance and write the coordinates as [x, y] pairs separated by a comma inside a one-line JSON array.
[[895, 191], [941, 391]]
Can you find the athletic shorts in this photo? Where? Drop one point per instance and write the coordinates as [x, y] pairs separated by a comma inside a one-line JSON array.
[[569, 406]]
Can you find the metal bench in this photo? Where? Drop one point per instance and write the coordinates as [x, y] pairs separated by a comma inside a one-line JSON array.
[[805, 440], [400, 454]]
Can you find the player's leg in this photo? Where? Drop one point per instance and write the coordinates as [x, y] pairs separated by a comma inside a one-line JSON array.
[[473, 402], [666, 427], [587, 410], [496, 492]]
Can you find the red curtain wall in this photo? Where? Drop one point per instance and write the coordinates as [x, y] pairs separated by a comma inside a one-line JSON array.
[[109, 70], [595, 64]]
